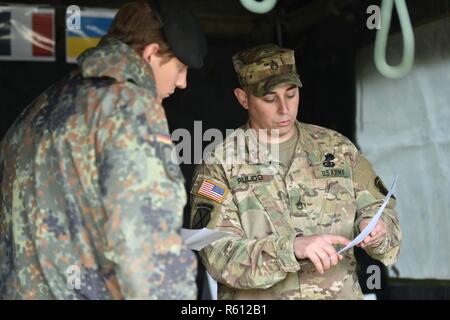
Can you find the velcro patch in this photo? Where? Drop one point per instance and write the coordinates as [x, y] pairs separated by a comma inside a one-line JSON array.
[[332, 173], [202, 215], [253, 178], [212, 190], [381, 187], [164, 150]]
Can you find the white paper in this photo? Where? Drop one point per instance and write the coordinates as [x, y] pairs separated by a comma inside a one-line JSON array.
[[368, 229], [197, 239], [212, 286]]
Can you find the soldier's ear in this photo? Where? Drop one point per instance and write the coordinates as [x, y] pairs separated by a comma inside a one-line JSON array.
[[242, 97], [150, 51]]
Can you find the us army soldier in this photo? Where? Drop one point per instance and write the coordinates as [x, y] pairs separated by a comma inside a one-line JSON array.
[[288, 210]]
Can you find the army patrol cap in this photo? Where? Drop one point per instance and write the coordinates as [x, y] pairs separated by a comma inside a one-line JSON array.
[[181, 31], [262, 68]]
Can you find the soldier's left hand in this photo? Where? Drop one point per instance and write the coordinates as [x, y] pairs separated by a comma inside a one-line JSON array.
[[377, 235]]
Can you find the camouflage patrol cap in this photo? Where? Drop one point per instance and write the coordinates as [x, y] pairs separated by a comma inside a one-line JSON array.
[[262, 68]]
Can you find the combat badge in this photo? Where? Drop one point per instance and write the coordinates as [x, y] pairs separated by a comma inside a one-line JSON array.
[[328, 161]]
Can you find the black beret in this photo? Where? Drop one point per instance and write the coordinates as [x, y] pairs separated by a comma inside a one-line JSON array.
[[181, 31]]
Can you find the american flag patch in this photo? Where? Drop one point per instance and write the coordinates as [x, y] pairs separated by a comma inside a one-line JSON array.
[[211, 191]]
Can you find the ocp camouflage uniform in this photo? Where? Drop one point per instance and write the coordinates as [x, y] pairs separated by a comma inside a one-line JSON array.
[[88, 191], [266, 206]]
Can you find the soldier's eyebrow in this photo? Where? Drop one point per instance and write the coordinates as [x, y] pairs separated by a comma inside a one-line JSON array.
[[291, 87]]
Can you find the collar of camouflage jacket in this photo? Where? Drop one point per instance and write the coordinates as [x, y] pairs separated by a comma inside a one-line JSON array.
[[114, 59]]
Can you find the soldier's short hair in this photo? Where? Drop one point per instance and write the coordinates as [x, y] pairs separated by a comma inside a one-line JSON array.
[[136, 25]]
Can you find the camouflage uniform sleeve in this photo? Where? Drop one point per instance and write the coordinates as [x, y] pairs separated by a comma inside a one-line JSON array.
[[370, 192], [236, 261], [144, 203]]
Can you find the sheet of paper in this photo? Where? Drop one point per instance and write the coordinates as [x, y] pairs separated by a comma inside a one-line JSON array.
[[368, 229], [197, 239]]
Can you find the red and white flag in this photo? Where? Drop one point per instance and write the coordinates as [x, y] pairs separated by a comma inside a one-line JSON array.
[[27, 33], [211, 190]]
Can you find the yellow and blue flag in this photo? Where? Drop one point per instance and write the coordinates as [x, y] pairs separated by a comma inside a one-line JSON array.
[[94, 24]]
